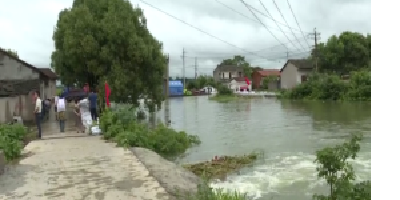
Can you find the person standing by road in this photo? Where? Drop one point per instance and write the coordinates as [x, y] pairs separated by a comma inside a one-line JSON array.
[[93, 105], [38, 114]]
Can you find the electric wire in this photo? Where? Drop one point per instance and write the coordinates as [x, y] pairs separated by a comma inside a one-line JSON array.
[[284, 19], [247, 6], [297, 22], [262, 4], [198, 29]]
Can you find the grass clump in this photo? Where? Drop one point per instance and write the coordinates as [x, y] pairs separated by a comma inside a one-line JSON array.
[[12, 138], [122, 127], [205, 192], [221, 167], [223, 98]]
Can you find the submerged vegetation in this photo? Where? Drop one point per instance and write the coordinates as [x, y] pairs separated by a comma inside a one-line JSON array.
[[221, 167], [205, 192]]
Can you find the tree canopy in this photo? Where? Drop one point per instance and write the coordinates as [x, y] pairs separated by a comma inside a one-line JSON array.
[[239, 61], [98, 40], [350, 51]]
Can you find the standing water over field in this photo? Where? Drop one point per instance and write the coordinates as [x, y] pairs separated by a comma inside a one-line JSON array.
[[288, 132]]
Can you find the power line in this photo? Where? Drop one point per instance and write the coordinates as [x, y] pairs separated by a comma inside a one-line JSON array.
[[297, 22], [278, 25], [256, 21], [247, 6], [284, 55], [195, 67], [284, 19], [316, 36], [183, 58], [243, 15], [198, 29], [263, 14]]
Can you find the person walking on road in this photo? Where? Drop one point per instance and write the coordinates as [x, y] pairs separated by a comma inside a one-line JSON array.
[[93, 105], [78, 119], [38, 114], [61, 113], [55, 105]]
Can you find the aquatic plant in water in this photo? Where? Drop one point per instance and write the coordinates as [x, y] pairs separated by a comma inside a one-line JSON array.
[[221, 167]]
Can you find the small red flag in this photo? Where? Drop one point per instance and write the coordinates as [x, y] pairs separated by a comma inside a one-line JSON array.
[[107, 93], [247, 80]]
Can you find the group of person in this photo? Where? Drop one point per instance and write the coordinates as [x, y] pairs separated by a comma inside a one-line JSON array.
[[60, 108]]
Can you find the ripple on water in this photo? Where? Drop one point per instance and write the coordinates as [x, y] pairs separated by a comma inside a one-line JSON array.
[[290, 174]]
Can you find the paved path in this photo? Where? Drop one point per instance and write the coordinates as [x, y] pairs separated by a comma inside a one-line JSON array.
[[78, 168]]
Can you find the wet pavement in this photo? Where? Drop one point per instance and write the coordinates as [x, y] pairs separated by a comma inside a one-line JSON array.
[[77, 168]]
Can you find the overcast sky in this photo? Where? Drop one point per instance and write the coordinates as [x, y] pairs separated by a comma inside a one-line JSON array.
[[227, 28]]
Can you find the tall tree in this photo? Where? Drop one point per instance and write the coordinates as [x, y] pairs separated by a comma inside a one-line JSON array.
[[350, 51], [99, 40], [239, 61]]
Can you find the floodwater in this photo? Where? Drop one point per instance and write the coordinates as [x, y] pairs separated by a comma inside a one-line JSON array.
[[288, 132]]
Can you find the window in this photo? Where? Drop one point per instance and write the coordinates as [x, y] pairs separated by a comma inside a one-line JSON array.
[[46, 83], [240, 74], [303, 78], [223, 75], [230, 75]]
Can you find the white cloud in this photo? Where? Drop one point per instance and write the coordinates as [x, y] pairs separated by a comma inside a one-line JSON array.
[[29, 30]]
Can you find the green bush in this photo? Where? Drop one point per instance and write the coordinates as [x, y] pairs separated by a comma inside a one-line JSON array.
[[332, 87], [223, 90], [11, 137], [127, 132], [360, 86], [333, 166]]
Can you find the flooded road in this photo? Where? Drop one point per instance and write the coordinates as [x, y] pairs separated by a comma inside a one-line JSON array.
[[288, 132]]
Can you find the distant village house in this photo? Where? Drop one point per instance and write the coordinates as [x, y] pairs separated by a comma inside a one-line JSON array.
[[295, 72], [272, 75], [225, 73]]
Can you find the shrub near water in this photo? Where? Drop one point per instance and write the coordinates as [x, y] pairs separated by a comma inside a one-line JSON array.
[[11, 137], [122, 127], [331, 87]]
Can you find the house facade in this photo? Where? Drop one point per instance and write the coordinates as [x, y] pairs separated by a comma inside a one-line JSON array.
[[225, 73], [18, 81], [295, 72], [48, 85], [239, 84], [259, 76]]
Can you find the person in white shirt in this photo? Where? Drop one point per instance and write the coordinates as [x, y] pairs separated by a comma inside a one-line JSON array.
[[61, 112], [37, 112], [55, 106]]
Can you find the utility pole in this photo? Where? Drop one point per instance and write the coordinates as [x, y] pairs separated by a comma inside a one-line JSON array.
[[195, 68], [287, 54], [184, 77], [316, 36], [166, 93]]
